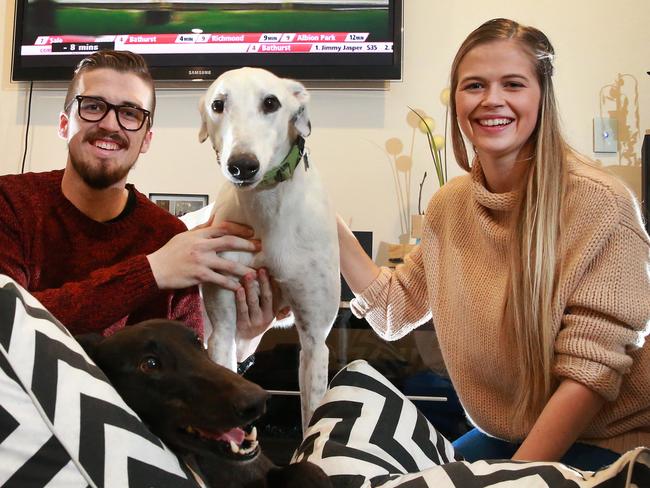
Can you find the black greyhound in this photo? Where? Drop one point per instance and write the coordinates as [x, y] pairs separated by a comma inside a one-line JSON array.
[[198, 408]]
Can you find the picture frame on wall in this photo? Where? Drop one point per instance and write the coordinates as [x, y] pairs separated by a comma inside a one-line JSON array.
[[179, 204]]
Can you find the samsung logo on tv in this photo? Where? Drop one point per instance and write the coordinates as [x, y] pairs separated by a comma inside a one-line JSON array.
[[199, 72]]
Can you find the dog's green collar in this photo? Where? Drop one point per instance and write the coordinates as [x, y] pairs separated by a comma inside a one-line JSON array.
[[286, 169]]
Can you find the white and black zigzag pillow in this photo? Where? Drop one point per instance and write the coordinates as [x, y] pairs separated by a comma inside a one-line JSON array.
[[367, 434], [61, 422]]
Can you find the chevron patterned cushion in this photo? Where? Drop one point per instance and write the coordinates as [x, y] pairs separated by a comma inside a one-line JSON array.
[[61, 422], [367, 434]]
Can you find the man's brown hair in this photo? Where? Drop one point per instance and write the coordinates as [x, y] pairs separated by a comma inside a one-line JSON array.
[[120, 61]]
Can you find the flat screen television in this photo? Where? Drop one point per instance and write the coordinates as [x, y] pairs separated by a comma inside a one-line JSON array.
[[187, 39]]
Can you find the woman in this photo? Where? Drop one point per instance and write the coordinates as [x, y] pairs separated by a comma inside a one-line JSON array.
[[534, 268]]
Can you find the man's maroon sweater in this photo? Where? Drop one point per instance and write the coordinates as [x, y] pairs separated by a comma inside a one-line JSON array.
[[92, 276]]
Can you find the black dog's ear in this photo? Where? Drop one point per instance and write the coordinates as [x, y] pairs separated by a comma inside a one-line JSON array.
[[89, 342]]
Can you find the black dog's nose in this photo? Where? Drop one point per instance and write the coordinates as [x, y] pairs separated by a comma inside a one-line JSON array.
[[252, 405], [243, 167]]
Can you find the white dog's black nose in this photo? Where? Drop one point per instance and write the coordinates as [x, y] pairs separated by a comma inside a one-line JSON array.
[[243, 167]]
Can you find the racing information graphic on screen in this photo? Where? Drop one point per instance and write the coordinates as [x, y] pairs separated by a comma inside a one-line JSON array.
[[215, 43]]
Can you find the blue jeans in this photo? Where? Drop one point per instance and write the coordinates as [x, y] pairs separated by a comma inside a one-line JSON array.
[[475, 445]]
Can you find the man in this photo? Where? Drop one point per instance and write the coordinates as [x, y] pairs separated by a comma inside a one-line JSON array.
[[95, 251]]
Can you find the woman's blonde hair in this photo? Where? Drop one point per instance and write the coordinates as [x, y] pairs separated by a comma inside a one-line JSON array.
[[534, 259]]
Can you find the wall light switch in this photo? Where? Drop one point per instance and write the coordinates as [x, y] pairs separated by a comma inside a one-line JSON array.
[[605, 135]]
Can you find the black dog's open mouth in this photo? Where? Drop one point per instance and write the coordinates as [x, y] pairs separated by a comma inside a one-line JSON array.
[[238, 443]]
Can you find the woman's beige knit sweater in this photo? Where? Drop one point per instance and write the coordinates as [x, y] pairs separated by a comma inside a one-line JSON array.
[[458, 277]]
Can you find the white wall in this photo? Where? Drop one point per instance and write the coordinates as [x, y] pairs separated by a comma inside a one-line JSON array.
[[595, 40]]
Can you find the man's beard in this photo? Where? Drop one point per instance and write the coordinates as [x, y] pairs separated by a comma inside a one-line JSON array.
[[101, 177]]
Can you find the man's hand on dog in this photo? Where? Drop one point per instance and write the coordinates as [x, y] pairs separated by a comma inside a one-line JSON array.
[[254, 312], [190, 258]]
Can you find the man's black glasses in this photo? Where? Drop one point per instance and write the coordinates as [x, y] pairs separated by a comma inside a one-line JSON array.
[[93, 109]]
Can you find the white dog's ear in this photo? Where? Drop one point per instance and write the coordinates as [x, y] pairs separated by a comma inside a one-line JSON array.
[[203, 132], [301, 117]]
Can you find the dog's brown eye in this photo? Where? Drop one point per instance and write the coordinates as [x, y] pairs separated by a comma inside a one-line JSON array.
[[270, 104], [149, 364], [217, 106]]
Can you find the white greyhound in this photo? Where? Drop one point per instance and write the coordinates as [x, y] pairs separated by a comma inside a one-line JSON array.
[[257, 123]]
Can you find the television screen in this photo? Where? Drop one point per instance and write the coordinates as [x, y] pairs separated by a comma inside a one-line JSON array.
[[186, 39]]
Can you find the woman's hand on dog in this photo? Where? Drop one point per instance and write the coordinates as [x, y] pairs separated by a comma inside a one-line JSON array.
[[255, 313], [191, 258]]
